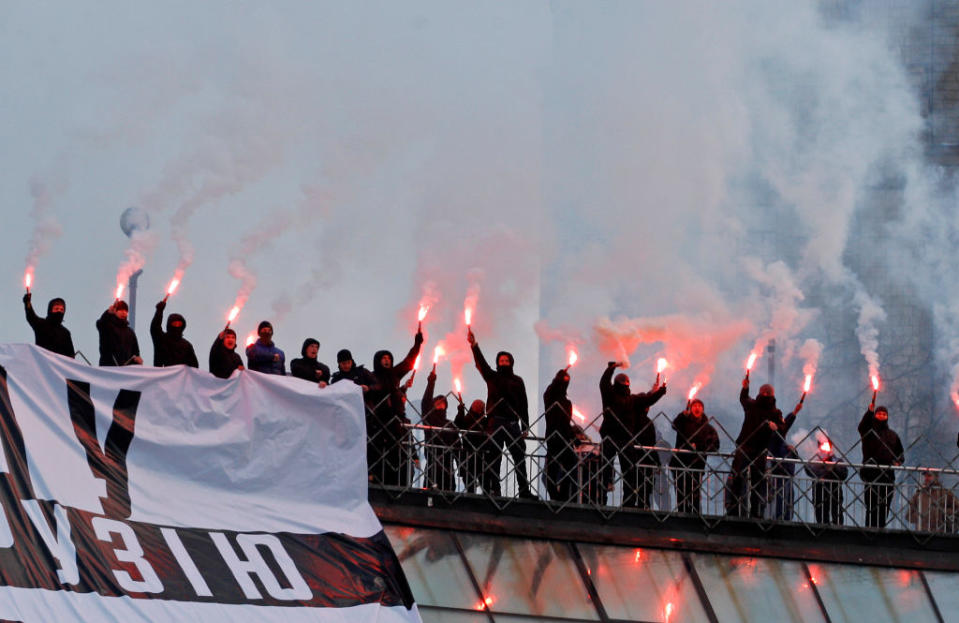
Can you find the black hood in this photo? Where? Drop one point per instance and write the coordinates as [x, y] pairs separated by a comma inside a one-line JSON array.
[[766, 402], [306, 343], [504, 369], [175, 331], [562, 380], [377, 366], [56, 318]]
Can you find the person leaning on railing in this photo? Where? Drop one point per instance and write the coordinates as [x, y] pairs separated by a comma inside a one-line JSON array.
[[933, 508], [881, 449]]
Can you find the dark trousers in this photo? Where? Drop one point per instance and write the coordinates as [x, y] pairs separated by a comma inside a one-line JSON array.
[[878, 493], [471, 459], [827, 500], [506, 433], [781, 495], [561, 477], [439, 467], [746, 495], [637, 470], [689, 484]]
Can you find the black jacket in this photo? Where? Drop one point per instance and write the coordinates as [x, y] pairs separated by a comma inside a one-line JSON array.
[[223, 361], [441, 431], [384, 399], [693, 437], [755, 435], [169, 347], [560, 430], [306, 368], [505, 391], [118, 342], [880, 444], [49, 332], [826, 467], [625, 414]]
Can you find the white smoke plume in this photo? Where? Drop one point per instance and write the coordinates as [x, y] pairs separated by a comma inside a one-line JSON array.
[[810, 352], [46, 228], [871, 315]]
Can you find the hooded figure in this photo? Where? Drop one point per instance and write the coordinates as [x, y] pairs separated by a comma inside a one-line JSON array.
[[829, 474], [626, 424], [118, 342], [507, 414], [223, 357], [170, 348], [347, 370], [441, 438], [474, 446], [49, 332], [762, 420], [881, 449], [388, 459], [307, 367], [695, 436], [561, 439]]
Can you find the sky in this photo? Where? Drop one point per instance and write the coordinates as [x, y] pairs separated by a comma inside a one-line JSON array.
[[604, 176]]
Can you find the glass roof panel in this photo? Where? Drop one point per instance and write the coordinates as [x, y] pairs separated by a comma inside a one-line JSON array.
[[858, 593], [433, 567]]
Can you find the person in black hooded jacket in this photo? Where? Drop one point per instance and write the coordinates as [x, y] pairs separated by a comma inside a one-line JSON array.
[[50, 332], [442, 439], [881, 449], [308, 368], [118, 342], [561, 436], [762, 421], [223, 356], [171, 348], [347, 370], [695, 436], [626, 424], [386, 417], [507, 414]]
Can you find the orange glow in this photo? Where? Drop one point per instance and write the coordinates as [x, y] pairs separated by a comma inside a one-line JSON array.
[[458, 385], [250, 338], [661, 364], [468, 316], [233, 314], [751, 361], [484, 603], [28, 280], [579, 416], [825, 446], [694, 390], [416, 364], [807, 384], [668, 611], [955, 399], [638, 556], [172, 287], [572, 357], [875, 382], [119, 291], [421, 316], [438, 352]]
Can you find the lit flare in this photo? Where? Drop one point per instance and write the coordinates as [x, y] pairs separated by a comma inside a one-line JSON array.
[[458, 385], [421, 316], [232, 315], [751, 361], [28, 280], [468, 316], [808, 384], [579, 416], [438, 352], [693, 391], [572, 359], [661, 364], [875, 382], [172, 287], [825, 446], [119, 292], [250, 339]]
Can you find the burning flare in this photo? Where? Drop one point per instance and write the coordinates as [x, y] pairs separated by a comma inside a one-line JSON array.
[[438, 352], [573, 357], [668, 611], [421, 316], [28, 279], [751, 361], [250, 338], [808, 384], [693, 391], [458, 385], [172, 287], [119, 293], [875, 382], [579, 416], [416, 364], [233, 314], [825, 446], [468, 316], [955, 399], [661, 364]]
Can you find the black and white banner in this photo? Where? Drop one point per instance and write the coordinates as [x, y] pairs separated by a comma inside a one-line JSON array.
[[166, 494]]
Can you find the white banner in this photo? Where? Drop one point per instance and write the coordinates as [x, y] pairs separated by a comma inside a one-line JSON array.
[[157, 494]]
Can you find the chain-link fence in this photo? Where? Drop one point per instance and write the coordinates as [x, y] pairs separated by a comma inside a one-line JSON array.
[[470, 455]]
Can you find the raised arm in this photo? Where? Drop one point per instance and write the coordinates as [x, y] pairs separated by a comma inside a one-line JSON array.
[[407, 364], [156, 329], [32, 319], [426, 405]]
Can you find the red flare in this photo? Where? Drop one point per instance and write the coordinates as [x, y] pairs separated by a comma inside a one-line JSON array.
[[638, 556], [233, 314], [751, 361], [825, 446], [579, 416], [468, 316], [421, 316], [661, 364], [875, 382], [438, 352], [119, 291], [955, 399], [28, 280], [172, 287], [458, 385], [573, 357], [416, 364], [668, 611], [250, 338], [485, 603], [693, 391], [807, 385]]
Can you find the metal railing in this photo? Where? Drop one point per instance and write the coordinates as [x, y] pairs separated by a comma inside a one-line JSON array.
[[563, 472]]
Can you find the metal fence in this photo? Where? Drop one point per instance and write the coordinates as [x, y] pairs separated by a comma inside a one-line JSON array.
[[414, 454]]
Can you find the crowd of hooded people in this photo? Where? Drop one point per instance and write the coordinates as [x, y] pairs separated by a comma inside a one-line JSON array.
[[472, 445]]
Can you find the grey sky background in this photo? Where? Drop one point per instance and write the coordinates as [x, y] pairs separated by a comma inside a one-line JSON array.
[[599, 171]]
